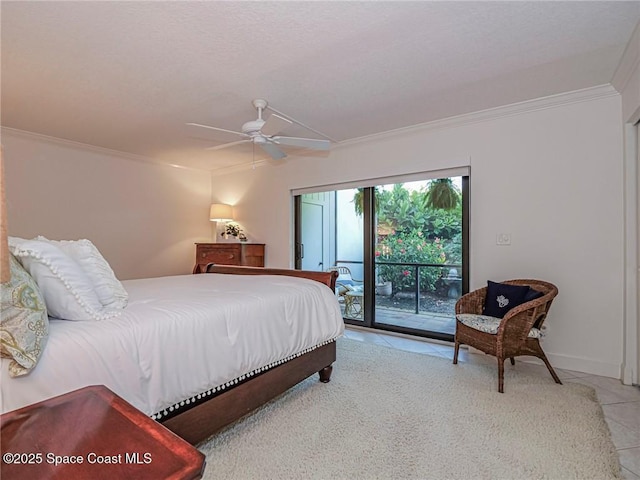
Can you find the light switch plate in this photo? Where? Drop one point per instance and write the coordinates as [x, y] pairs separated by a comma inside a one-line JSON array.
[[503, 239]]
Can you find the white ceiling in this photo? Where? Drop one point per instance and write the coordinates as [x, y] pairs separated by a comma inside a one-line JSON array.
[[128, 76]]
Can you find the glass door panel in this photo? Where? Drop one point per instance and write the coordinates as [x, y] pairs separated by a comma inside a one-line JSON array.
[[350, 254], [330, 237], [418, 255]]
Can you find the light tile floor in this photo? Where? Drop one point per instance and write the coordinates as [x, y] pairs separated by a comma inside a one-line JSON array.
[[620, 403]]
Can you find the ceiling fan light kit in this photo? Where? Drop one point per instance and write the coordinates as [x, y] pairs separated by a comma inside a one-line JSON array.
[[264, 133]]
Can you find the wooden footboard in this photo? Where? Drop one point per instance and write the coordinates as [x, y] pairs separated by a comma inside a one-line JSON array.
[[207, 417], [204, 419], [328, 278]]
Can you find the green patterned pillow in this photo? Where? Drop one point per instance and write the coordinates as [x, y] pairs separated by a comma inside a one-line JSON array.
[[24, 325]]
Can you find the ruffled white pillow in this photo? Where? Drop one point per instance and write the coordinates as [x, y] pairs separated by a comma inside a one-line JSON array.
[[67, 290], [110, 291]]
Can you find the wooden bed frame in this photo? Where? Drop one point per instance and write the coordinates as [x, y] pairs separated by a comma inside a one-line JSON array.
[[203, 419]]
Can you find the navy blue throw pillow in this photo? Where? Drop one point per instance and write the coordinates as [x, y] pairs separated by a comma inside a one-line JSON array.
[[502, 297], [532, 295]]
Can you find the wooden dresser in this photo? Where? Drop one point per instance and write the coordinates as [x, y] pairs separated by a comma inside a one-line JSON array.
[[245, 254]]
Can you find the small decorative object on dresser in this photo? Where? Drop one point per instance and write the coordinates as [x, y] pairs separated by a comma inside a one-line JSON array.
[[233, 229], [243, 254]]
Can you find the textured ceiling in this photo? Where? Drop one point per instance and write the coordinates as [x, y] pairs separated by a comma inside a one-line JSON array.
[[128, 76]]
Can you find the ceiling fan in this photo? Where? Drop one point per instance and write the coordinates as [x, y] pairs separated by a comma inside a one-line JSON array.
[[264, 133]]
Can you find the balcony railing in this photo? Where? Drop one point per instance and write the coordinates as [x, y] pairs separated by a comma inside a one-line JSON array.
[[445, 273]]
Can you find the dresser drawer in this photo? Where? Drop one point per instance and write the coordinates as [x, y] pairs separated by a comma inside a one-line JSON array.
[[253, 255], [246, 254], [226, 256]]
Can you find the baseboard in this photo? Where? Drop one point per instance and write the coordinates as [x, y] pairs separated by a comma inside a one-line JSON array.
[[575, 364], [584, 365], [563, 362], [627, 375]]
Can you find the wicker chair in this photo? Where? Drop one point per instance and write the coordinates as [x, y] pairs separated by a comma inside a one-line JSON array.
[[514, 336]]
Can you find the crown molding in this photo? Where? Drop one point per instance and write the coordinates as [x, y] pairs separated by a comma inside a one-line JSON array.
[[629, 63], [87, 148], [127, 156], [543, 103], [551, 101], [241, 167]]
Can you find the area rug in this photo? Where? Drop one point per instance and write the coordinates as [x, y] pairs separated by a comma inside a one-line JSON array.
[[389, 414]]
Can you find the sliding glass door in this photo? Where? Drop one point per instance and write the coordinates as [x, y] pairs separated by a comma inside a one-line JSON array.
[[400, 250]]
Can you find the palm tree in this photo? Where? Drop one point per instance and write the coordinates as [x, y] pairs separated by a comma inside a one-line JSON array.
[[442, 194], [358, 200]]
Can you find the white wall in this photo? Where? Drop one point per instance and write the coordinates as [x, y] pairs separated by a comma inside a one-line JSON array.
[[548, 172], [143, 217]]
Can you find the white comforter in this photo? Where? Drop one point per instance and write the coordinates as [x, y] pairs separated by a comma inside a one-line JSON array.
[[179, 337]]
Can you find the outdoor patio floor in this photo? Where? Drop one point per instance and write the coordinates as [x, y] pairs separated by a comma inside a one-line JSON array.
[[428, 321], [433, 322]]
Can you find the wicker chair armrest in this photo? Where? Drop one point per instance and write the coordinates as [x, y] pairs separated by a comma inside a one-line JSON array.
[[472, 302]]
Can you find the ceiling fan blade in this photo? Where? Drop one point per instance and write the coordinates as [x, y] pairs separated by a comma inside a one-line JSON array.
[[274, 124], [227, 145], [272, 150], [311, 143], [218, 129]]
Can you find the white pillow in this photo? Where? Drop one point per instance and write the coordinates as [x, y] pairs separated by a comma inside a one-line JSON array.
[[16, 241], [67, 290], [110, 291]]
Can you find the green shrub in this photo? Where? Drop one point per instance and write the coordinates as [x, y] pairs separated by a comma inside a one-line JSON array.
[[409, 247], [415, 227]]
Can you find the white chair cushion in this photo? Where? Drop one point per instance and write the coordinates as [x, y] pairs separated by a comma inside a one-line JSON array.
[[487, 324]]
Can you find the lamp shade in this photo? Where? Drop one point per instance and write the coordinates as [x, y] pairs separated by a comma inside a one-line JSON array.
[[221, 212]]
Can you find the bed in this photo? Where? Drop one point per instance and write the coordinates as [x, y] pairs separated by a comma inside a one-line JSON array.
[[194, 352]]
